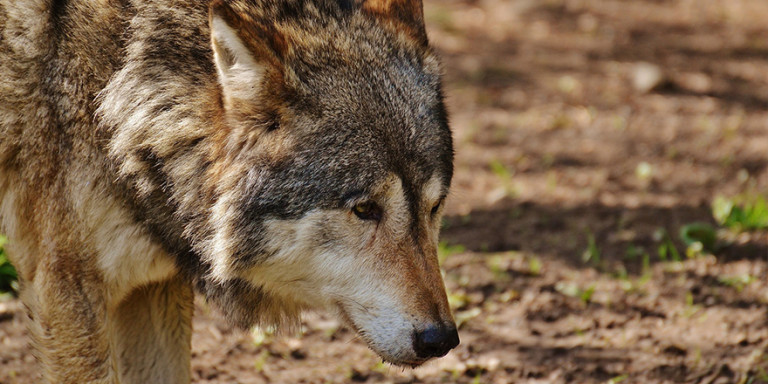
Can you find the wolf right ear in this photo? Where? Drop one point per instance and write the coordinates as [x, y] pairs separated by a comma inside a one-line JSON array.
[[244, 51], [408, 14]]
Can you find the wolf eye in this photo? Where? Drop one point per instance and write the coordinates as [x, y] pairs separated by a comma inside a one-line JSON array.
[[437, 207], [367, 211]]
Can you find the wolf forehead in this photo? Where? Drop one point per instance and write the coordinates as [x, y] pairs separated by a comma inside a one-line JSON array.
[[362, 74], [346, 154], [359, 124]]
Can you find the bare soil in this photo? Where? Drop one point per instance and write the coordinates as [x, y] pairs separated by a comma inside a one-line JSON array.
[[559, 140]]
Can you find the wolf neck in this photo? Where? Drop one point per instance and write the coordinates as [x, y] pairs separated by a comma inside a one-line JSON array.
[[160, 114], [159, 146]]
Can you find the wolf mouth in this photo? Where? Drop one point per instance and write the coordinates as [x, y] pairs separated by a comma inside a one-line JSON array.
[[347, 320]]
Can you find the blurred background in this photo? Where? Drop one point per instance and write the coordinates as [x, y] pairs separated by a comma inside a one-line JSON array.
[[608, 221]]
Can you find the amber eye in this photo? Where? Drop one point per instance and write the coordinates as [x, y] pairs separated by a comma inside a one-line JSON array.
[[367, 211], [437, 207]]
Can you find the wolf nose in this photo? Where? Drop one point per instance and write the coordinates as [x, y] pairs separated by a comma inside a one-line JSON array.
[[435, 341]]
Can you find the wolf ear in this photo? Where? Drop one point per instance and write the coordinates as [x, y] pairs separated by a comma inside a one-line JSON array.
[[406, 14], [243, 50]]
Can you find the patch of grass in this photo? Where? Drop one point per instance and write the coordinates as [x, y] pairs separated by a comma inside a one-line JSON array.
[[629, 284], [699, 232], [8, 275], [260, 361], [699, 238], [697, 356], [573, 290], [620, 273], [458, 300], [508, 296], [586, 295], [647, 271], [499, 266], [744, 212], [618, 379], [737, 282], [505, 177], [262, 336], [691, 308], [762, 374], [592, 255], [380, 367], [464, 316], [667, 249], [501, 171], [534, 266], [445, 250], [633, 252]]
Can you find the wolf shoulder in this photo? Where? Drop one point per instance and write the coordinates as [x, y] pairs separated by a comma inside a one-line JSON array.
[[56, 59]]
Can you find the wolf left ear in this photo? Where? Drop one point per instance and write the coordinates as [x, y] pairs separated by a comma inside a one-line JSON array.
[[244, 51], [406, 14]]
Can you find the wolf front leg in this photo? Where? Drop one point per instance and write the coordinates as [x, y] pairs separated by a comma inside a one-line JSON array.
[[66, 307], [80, 336], [152, 330]]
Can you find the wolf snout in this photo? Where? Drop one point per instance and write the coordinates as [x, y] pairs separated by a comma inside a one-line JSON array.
[[435, 341]]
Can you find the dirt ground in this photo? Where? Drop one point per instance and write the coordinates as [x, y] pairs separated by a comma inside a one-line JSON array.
[[613, 120]]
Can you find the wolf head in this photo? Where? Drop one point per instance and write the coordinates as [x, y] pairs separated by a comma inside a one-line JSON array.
[[333, 160]]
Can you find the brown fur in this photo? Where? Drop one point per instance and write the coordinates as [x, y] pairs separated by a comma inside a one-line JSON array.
[[146, 151]]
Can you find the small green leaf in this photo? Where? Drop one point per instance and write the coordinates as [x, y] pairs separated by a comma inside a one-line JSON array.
[[534, 266], [699, 232], [8, 275], [667, 249], [569, 289], [738, 282], [501, 171], [618, 379], [721, 209], [586, 295], [464, 316], [445, 250], [673, 250], [592, 253]]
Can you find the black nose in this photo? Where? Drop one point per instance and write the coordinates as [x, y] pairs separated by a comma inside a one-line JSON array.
[[435, 341]]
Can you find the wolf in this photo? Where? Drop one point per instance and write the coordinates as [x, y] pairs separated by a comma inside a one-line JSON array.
[[271, 155]]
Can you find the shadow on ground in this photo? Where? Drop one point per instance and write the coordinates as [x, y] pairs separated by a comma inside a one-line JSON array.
[[620, 234]]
